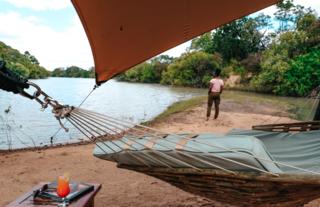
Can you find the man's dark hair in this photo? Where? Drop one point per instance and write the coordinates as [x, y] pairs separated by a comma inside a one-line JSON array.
[[217, 72]]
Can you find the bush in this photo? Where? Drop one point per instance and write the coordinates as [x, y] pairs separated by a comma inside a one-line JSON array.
[[303, 76], [295, 77], [192, 69]]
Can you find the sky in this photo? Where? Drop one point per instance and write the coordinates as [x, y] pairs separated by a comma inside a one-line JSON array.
[[51, 31]]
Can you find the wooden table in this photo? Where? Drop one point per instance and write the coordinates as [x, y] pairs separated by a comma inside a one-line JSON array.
[[85, 201]]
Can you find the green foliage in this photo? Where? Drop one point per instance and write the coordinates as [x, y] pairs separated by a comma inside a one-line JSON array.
[[273, 67], [147, 72], [32, 58], [284, 76], [289, 64], [25, 64], [203, 43], [20, 69], [238, 39], [73, 72], [306, 22], [303, 76], [192, 69], [235, 40]]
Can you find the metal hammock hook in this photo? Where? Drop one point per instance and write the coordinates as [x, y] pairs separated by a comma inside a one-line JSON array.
[[11, 82], [60, 111]]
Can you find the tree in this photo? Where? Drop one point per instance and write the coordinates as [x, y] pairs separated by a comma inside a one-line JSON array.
[[58, 72], [160, 65], [192, 69], [284, 14], [32, 58], [73, 72], [25, 64], [288, 15], [289, 66], [203, 43], [235, 40], [166, 59], [303, 76]]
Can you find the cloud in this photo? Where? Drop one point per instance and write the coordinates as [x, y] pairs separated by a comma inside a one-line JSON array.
[[40, 5], [309, 3], [52, 48], [178, 50]]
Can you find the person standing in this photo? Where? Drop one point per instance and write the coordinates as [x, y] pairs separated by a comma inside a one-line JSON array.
[[215, 90]]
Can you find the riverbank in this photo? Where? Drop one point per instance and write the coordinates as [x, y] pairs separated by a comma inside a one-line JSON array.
[[21, 170], [242, 102]]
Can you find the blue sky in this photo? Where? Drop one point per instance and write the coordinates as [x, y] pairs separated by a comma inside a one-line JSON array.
[[52, 31]]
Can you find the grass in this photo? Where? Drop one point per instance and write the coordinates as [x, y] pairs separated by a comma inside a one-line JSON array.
[[178, 107], [296, 108]]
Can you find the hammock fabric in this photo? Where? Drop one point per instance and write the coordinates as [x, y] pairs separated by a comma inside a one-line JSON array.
[[124, 33]]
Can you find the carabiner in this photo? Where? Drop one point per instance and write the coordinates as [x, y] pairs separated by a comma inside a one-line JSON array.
[[35, 94]]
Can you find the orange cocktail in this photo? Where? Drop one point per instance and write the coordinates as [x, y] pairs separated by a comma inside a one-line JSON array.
[[63, 188]]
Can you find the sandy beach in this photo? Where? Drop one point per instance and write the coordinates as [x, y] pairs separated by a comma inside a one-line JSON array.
[[22, 170]]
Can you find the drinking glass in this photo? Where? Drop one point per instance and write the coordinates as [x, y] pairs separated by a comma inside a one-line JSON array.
[[63, 189]]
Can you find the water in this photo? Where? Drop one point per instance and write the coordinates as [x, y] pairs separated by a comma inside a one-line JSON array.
[[26, 126]]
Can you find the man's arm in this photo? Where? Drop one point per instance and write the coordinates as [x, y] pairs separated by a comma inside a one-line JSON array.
[[221, 88], [210, 87]]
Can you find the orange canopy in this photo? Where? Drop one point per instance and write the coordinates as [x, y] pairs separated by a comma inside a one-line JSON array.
[[124, 33]]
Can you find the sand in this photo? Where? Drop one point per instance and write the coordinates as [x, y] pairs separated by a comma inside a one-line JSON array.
[[19, 171]]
